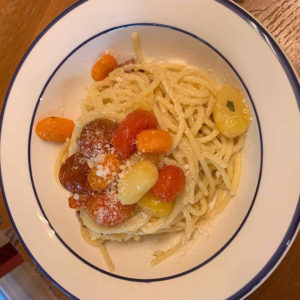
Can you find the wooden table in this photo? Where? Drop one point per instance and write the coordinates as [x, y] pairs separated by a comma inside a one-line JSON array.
[[23, 20]]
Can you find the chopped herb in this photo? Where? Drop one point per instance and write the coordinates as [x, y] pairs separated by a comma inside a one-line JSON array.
[[230, 105]]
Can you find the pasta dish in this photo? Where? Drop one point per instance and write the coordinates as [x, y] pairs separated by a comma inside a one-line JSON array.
[[156, 149]]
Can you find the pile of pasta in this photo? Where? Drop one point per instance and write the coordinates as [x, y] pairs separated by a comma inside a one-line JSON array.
[[182, 99]]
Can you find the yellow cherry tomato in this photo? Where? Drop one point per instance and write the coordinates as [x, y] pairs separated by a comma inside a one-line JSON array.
[[153, 205], [231, 113]]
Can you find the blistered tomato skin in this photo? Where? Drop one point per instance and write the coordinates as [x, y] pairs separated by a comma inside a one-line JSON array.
[[73, 174], [170, 183], [124, 140], [105, 209], [96, 137], [78, 201]]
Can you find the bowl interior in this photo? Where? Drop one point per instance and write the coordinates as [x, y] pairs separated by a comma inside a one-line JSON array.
[[62, 97]]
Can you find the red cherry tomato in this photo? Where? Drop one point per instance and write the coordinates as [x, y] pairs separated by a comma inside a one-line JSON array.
[[73, 174], [105, 209], [170, 183], [96, 137], [124, 140], [78, 201]]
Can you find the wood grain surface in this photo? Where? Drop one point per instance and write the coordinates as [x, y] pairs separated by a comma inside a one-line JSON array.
[[282, 19], [22, 20]]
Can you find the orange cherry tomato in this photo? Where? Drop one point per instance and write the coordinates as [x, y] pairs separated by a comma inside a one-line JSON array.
[[104, 173], [170, 183], [96, 137], [154, 141], [54, 129], [77, 201], [73, 174], [103, 67], [105, 209], [124, 140]]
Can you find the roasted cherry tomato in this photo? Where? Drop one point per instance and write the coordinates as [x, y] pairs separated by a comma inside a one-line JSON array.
[[54, 129], [231, 112], [77, 201], [103, 67], [154, 141], [104, 173], [170, 183], [153, 205], [73, 174], [96, 137], [105, 209], [124, 140]]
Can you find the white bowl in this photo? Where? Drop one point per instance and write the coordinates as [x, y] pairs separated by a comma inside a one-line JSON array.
[[244, 243]]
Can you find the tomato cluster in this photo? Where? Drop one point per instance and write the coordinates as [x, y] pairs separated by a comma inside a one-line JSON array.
[[91, 186], [91, 173], [77, 177]]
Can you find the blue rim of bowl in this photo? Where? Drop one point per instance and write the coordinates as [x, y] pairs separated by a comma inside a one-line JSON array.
[[260, 163], [255, 25]]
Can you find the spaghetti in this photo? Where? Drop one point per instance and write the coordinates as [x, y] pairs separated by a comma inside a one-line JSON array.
[[182, 100]]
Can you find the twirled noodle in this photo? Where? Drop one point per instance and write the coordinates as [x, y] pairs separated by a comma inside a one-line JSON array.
[[182, 100]]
